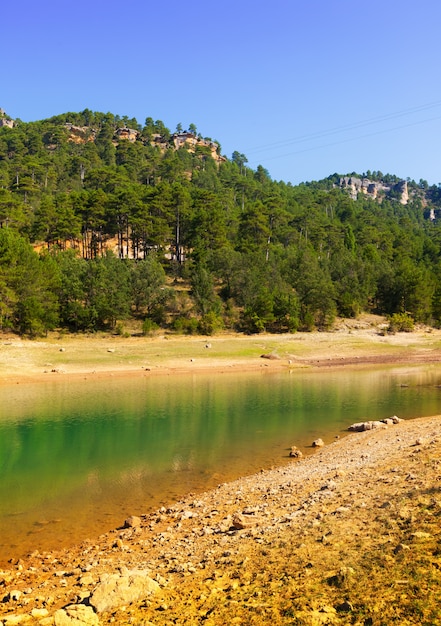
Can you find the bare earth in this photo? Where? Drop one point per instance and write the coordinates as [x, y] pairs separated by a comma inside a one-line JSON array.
[[353, 342], [348, 535]]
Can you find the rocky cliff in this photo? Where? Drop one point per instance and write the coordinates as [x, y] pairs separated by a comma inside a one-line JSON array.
[[5, 120], [374, 189]]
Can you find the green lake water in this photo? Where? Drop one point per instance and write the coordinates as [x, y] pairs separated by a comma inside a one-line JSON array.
[[76, 459]]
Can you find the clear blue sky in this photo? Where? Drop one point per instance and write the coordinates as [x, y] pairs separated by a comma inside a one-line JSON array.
[[305, 88]]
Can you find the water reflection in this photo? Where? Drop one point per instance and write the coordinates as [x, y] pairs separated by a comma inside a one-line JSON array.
[[77, 458]]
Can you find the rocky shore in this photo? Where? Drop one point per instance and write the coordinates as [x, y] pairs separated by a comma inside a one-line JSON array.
[[348, 535]]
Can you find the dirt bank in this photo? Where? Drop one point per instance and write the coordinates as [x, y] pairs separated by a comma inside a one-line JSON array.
[[352, 343]]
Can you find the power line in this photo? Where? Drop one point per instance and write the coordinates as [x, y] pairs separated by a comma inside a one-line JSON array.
[[335, 143], [344, 128]]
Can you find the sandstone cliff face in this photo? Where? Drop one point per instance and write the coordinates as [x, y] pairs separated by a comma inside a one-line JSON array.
[[83, 134], [130, 134], [80, 134], [5, 120], [192, 141], [374, 189]]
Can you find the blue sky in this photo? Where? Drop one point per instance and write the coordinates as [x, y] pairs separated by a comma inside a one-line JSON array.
[[305, 88]]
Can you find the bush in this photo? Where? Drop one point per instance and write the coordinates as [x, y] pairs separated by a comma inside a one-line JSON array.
[[209, 324], [186, 325], [401, 323], [149, 327], [120, 330], [251, 323]]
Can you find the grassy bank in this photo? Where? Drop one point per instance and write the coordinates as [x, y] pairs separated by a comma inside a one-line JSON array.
[[350, 343]]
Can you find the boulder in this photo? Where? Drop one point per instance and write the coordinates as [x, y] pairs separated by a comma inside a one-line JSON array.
[[318, 443], [370, 425], [395, 419], [132, 522], [117, 590], [76, 615], [295, 453], [239, 522]]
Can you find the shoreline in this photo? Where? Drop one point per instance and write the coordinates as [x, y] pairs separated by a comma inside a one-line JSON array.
[[343, 512], [352, 344], [332, 514], [244, 367]]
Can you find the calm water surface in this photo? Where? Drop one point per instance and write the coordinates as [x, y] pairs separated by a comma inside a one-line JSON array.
[[76, 459]]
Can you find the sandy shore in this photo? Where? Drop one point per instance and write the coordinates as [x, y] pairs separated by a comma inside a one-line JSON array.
[[349, 535]]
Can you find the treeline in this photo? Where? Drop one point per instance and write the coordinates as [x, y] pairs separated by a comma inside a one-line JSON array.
[[99, 225]]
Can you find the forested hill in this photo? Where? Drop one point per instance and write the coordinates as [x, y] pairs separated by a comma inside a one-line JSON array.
[[103, 219]]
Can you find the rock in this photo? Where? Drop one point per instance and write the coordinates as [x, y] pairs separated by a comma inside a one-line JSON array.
[[86, 580], [76, 615], [6, 577], [117, 590], [331, 485], [419, 534], [223, 526], [132, 522], [250, 510], [11, 620], [395, 419], [239, 522], [271, 357], [15, 595], [401, 547], [324, 616], [344, 607], [376, 424], [370, 425], [343, 574], [318, 443], [295, 453], [342, 510], [37, 613]]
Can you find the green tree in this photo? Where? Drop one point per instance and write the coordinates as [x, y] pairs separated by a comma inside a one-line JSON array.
[[107, 291], [203, 292], [28, 283], [315, 290], [72, 291], [148, 287]]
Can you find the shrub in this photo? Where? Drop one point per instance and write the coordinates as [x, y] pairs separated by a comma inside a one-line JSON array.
[[149, 327], [186, 325], [209, 324], [401, 323]]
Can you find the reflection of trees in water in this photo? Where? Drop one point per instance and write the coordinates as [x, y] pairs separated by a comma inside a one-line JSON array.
[[111, 450]]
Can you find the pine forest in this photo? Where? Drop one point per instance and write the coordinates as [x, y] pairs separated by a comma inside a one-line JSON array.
[[108, 224]]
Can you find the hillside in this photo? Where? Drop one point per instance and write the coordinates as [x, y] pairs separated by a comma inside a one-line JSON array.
[[207, 242]]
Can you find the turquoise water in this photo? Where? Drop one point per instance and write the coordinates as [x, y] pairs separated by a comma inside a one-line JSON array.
[[76, 459]]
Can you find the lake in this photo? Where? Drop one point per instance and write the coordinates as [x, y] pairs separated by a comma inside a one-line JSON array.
[[77, 458]]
